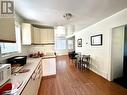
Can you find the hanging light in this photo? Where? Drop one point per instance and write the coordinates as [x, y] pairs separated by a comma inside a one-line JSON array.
[[67, 16]]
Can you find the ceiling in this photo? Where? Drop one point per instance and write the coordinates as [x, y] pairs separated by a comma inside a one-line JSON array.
[[50, 12]]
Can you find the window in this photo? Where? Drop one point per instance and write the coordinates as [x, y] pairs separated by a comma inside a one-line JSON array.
[[12, 47], [60, 40], [8, 47], [61, 44]]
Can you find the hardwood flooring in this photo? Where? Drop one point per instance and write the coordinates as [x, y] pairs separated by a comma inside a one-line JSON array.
[[71, 81]]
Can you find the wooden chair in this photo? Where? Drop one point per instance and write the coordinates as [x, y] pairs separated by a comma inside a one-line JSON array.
[[78, 61], [85, 62], [72, 56]]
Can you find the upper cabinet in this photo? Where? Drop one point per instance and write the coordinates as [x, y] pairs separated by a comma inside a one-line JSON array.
[[26, 33], [34, 35], [43, 36], [50, 36], [47, 36], [7, 30]]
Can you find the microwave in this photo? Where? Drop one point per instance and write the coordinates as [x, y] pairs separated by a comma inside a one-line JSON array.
[[5, 73]]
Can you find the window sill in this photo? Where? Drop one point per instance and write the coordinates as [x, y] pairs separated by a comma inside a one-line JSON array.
[[8, 54]]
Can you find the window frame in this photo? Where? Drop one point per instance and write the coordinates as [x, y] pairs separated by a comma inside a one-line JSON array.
[[17, 43], [61, 38]]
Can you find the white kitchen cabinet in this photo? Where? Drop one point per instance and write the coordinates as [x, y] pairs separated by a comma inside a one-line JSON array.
[[36, 36], [44, 36], [50, 37], [49, 66], [7, 30], [39, 76], [29, 88], [32, 86], [26, 33]]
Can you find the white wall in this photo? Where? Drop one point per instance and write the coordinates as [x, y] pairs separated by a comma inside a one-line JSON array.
[[70, 29], [101, 55], [71, 44]]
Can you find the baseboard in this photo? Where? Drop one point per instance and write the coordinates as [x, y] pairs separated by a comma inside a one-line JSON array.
[[50, 76], [62, 55], [98, 72]]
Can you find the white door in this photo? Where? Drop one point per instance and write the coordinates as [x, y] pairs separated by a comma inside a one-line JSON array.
[[117, 52]]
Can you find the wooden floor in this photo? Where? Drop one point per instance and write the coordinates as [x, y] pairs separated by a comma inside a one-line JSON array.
[[71, 81]]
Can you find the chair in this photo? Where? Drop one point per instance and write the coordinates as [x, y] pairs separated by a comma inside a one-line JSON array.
[[78, 60], [85, 61], [72, 56]]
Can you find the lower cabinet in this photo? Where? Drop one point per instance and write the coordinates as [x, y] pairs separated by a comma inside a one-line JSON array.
[[32, 86], [49, 66], [46, 67], [29, 88]]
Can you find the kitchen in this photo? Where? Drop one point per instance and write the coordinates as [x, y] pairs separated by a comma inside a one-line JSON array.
[[27, 69], [29, 48]]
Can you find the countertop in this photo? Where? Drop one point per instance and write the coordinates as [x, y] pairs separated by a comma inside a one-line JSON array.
[[23, 78], [48, 56]]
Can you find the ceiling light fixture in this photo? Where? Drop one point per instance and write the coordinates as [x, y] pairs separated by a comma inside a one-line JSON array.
[[67, 16]]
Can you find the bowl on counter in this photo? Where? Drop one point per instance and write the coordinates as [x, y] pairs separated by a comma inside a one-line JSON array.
[[36, 55]]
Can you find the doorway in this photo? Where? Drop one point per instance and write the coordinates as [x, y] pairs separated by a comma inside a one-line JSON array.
[[117, 52]]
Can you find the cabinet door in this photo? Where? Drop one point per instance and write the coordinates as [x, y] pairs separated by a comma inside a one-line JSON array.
[[47, 36], [26, 33], [44, 36], [41, 36], [32, 34], [36, 80], [36, 85], [39, 76], [7, 30], [49, 66], [46, 69], [34, 89], [36, 36], [29, 90], [50, 36], [52, 63]]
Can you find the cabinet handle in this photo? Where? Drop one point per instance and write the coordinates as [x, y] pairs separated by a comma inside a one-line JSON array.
[[37, 73], [34, 76]]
